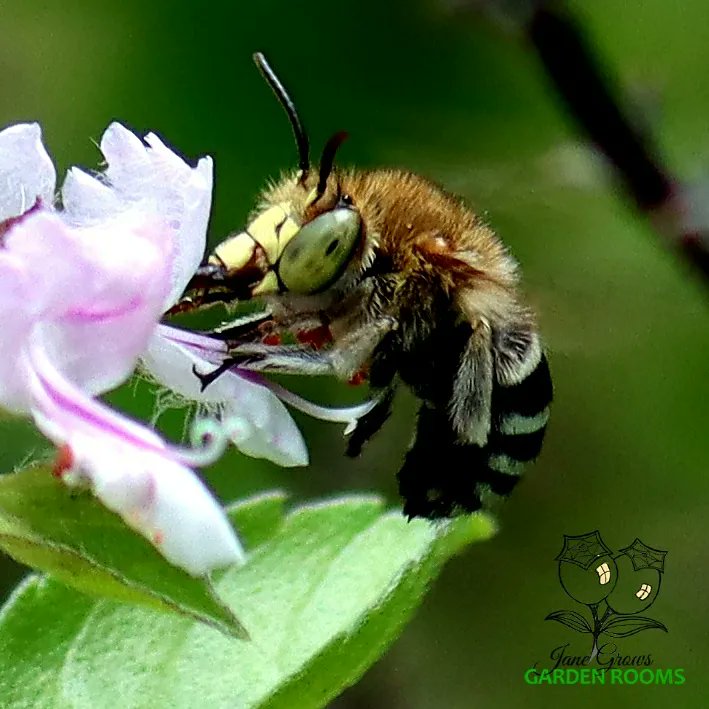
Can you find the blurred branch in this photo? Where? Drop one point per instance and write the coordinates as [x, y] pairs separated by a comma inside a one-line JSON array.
[[573, 69], [572, 66]]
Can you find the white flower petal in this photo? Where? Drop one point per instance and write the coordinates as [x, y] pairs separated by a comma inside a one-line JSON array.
[[192, 239], [16, 321], [166, 503], [254, 419], [134, 474], [98, 304], [159, 180], [164, 159], [86, 199], [127, 159], [26, 170], [277, 438], [81, 293], [170, 360]]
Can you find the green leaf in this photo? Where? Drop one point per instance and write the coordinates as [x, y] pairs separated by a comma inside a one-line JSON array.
[[72, 536], [324, 592], [571, 619], [624, 626], [259, 517]]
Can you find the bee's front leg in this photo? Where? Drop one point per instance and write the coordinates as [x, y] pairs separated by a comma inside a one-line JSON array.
[[346, 356], [285, 359], [248, 328]]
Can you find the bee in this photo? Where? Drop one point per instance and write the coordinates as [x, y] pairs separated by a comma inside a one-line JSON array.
[[383, 275]]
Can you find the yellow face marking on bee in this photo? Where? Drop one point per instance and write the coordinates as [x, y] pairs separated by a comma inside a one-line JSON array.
[[266, 236], [267, 286], [273, 229], [235, 252]]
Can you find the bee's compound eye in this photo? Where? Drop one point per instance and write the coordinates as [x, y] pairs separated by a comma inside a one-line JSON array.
[[319, 253]]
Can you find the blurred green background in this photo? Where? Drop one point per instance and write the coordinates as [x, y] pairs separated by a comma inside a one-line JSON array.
[[458, 100]]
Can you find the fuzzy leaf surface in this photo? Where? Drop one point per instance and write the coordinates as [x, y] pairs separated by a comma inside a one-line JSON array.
[[326, 589]]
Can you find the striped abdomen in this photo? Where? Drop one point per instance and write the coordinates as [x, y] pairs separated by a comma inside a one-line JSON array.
[[442, 476]]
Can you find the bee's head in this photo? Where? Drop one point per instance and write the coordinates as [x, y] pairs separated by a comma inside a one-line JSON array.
[[303, 236]]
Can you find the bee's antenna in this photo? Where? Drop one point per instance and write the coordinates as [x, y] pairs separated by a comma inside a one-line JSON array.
[[301, 137], [328, 158]]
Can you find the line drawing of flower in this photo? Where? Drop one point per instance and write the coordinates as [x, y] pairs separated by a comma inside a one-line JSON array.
[[614, 587]]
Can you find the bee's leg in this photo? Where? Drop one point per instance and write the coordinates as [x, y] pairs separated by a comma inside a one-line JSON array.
[[284, 359], [370, 423], [189, 303], [346, 357], [445, 470], [264, 327], [206, 378], [245, 328], [470, 405], [435, 479], [382, 378]]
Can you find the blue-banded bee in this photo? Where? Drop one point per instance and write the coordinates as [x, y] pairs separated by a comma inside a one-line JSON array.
[[383, 274]]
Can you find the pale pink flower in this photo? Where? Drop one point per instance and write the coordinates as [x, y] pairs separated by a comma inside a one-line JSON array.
[[82, 291], [247, 419], [80, 298], [134, 473], [151, 178]]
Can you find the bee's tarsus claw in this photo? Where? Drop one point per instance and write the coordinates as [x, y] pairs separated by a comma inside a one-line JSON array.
[[207, 378]]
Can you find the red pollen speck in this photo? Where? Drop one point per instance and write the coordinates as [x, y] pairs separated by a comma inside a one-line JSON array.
[[358, 378], [158, 538], [63, 462], [272, 339], [317, 337]]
